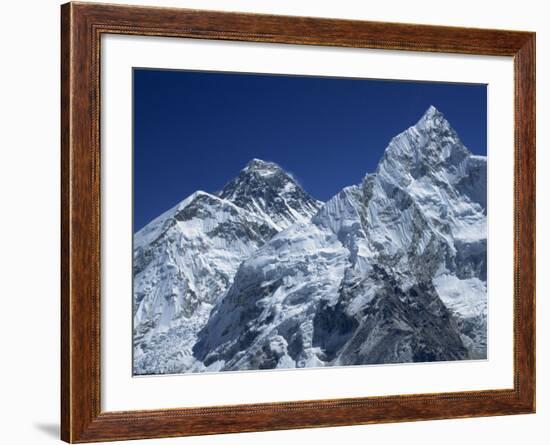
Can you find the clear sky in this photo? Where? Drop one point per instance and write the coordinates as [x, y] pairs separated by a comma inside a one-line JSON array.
[[197, 130]]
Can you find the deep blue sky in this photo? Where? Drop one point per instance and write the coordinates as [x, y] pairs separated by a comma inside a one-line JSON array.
[[197, 130]]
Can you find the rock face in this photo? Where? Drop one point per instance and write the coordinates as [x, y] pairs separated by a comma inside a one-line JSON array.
[[267, 191], [391, 270]]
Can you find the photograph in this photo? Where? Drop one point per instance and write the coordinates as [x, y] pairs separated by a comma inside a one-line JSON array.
[[277, 222], [285, 221]]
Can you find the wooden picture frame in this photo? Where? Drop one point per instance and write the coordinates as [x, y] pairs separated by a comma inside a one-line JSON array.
[[82, 25]]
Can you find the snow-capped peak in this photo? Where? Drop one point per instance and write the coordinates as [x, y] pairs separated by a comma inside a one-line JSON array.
[[261, 166], [266, 189], [434, 120], [185, 259], [432, 112], [431, 144]]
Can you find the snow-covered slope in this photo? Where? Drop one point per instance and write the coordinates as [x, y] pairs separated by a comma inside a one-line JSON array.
[[391, 270], [185, 260]]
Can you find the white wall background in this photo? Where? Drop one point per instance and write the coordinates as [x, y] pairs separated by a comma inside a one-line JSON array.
[[29, 226]]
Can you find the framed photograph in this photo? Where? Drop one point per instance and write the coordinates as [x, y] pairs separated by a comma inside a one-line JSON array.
[[274, 222]]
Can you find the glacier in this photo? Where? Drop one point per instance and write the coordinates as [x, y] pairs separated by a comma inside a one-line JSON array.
[[263, 276]]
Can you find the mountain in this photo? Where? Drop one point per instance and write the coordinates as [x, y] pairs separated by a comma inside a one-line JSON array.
[[264, 189], [391, 270], [185, 260]]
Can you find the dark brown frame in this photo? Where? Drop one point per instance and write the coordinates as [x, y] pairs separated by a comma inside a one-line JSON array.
[[82, 25]]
